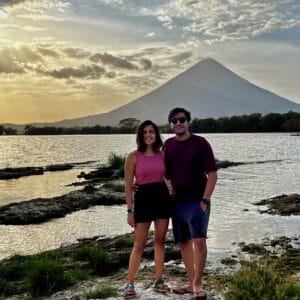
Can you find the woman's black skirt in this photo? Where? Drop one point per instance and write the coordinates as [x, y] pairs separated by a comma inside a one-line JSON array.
[[152, 201]]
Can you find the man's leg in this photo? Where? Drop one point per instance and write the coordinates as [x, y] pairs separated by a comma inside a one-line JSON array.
[[200, 253], [188, 259]]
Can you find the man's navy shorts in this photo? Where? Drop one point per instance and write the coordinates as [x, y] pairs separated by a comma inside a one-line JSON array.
[[190, 221]]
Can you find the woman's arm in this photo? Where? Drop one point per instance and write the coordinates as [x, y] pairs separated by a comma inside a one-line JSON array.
[[129, 176]]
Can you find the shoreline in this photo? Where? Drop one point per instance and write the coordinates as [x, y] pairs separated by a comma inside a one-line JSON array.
[[216, 279]]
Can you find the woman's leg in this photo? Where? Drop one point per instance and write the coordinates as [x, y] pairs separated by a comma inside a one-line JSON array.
[[161, 227], [140, 238]]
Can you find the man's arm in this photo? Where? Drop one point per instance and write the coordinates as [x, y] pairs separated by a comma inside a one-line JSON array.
[[212, 178]]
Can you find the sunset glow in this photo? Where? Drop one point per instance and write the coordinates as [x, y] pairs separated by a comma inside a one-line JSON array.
[[66, 59]]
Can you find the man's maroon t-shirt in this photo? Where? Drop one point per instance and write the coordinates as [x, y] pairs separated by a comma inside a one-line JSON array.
[[188, 163]]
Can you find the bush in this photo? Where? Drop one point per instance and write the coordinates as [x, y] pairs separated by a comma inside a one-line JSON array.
[[117, 162], [6, 287], [256, 280], [98, 258], [89, 189], [14, 268], [292, 291], [46, 276], [102, 293]]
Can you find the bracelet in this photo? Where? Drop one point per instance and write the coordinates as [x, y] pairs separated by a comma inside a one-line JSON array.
[[205, 201], [130, 210]]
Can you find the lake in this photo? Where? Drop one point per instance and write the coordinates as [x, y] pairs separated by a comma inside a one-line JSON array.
[[272, 169]]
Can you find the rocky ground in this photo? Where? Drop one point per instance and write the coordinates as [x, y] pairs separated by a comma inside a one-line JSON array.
[[215, 279]]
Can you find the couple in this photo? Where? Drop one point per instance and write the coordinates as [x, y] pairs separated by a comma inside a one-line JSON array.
[[188, 162]]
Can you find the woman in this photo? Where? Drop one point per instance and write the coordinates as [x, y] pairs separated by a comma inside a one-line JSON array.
[[151, 202]]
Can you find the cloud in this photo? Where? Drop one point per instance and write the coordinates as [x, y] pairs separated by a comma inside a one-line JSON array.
[[17, 60], [182, 57], [10, 2], [114, 61], [84, 71], [76, 52], [47, 52], [229, 19], [151, 34], [146, 63], [8, 63], [33, 29]]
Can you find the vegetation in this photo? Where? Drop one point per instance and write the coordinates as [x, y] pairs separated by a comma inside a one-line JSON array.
[[115, 164], [45, 273], [7, 130], [98, 259], [102, 293], [123, 242], [273, 122], [261, 279], [89, 189]]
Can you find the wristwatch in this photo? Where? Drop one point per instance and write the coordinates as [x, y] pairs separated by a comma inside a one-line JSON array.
[[205, 201], [130, 210]]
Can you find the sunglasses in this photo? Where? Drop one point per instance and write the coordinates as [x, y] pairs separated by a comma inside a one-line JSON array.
[[181, 120]]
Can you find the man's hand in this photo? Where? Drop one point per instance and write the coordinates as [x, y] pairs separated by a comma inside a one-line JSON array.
[[204, 204]]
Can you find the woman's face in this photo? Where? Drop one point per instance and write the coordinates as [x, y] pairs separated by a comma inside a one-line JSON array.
[[149, 135]]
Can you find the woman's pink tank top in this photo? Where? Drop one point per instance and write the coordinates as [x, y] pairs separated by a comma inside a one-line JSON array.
[[149, 169]]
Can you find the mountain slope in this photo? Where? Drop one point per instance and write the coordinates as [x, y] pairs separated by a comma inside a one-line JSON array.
[[207, 89]]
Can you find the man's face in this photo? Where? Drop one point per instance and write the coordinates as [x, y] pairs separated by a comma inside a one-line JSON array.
[[179, 124]]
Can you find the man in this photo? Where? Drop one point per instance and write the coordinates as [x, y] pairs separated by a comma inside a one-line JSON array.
[[192, 170]]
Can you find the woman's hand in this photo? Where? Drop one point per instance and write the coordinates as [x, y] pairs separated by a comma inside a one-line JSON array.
[[130, 219]]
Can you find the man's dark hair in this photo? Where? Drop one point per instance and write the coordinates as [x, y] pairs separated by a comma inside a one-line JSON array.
[[141, 146], [177, 110]]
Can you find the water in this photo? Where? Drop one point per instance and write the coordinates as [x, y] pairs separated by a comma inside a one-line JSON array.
[[237, 188]]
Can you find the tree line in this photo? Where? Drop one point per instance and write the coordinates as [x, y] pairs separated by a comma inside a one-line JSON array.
[[272, 122], [7, 130]]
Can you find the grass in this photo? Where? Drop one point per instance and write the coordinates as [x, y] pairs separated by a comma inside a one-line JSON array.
[[102, 293], [99, 260], [123, 243], [260, 280], [115, 162], [46, 276]]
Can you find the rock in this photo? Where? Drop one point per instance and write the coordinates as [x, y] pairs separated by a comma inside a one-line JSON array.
[[13, 173], [41, 210], [62, 167], [284, 205]]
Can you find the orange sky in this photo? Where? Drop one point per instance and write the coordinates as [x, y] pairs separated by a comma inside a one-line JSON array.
[[67, 59]]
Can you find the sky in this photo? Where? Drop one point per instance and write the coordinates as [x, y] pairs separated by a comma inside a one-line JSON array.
[[64, 59]]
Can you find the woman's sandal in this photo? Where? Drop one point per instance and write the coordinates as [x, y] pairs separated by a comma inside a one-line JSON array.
[[160, 286], [129, 291]]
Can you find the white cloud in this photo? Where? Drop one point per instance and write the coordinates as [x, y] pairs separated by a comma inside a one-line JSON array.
[[232, 19], [151, 34]]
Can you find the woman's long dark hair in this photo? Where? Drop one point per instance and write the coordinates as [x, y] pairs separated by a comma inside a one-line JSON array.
[[141, 146]]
